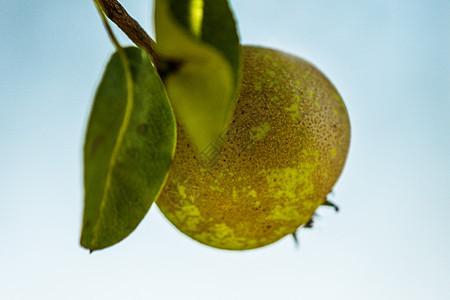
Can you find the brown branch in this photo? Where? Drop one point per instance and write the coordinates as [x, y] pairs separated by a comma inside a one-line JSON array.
[[117, 13]]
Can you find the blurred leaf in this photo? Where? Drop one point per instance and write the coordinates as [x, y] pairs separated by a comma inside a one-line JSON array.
[[199, 46], [128, 149]]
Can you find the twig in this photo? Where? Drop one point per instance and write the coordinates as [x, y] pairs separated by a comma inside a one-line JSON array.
[[117, 13]]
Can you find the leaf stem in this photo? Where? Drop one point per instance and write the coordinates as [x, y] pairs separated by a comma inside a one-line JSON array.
[[106, 24], [117, 13]]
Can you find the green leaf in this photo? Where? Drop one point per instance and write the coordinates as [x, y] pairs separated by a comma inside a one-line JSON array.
[[130, 142], [201, 57]]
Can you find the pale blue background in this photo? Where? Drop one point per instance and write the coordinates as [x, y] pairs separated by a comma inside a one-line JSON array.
[[391, 240]]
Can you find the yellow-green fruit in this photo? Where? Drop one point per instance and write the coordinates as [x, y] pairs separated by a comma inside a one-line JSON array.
[[280, 157]]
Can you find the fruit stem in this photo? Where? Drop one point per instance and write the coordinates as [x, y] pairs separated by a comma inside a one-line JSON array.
[[117, 13]]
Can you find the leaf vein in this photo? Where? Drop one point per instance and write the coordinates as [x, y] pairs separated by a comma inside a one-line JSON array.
[[119, 141]]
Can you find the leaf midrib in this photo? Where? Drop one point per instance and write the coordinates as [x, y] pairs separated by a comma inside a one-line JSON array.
[[118, 143]]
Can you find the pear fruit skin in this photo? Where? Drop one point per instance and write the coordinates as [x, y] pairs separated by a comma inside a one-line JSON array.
[[280, 157]]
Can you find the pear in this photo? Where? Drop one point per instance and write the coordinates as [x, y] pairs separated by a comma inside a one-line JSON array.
[[273, 167]]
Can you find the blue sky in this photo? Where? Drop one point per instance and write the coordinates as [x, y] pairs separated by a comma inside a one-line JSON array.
[[388, 59]]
